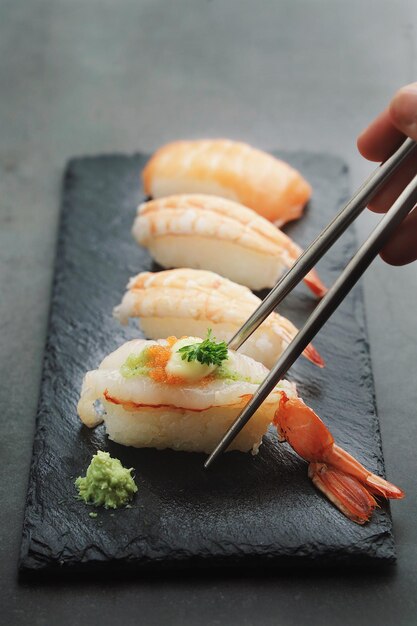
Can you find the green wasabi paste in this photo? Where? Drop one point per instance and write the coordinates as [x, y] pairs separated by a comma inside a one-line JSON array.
[[135, 365], [227, 374], [107, 483]]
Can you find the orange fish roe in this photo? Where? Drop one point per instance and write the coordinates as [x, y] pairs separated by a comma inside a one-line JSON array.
[[158, 357]]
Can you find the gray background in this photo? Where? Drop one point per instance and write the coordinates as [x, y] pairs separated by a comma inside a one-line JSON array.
[[89, 76]]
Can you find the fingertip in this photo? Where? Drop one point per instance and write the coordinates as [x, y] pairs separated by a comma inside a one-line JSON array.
[[367, 145], [389, 254], [362, 143], [401, 249], [403, 110], [379, 139], [397, 258], [377, 206]]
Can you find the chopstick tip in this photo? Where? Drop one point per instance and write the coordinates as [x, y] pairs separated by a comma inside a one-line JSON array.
[[209, 460]]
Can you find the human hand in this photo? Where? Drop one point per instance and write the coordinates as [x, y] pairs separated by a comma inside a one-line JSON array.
[[378, 141]]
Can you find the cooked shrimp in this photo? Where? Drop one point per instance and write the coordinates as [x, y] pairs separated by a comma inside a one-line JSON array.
[[181, 301], [207, 232], [230, 169], [345, 482]]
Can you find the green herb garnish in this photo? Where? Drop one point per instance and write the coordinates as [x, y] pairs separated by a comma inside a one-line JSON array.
[[208, 352]]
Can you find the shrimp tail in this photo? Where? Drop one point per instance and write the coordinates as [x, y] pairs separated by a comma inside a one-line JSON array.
[[338, 458], [382, 487], [313, 282], [336, 473], [346, 492], [312, 355]]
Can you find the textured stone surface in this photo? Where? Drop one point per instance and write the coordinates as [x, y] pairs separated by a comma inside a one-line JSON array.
[[87, 77], [254, 510]]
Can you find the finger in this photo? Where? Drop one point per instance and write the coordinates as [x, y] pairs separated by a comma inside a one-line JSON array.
[[402, 247], [380, 139], [397, 182], [403, 110]]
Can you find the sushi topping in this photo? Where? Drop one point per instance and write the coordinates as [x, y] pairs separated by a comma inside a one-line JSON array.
[[189, 359], [159, 359], [107, 483], [135, 365], [208, 352]]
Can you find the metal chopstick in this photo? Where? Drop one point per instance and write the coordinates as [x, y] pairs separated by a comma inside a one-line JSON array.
[[323, 242], [351, 274]]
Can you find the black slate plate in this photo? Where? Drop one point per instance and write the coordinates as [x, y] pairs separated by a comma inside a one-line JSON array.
[[245, 511]]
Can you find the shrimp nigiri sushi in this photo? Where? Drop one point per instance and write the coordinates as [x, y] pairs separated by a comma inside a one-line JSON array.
[[155, 399], [180, 301], [185, 393], [207, 232], [232, 170]]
